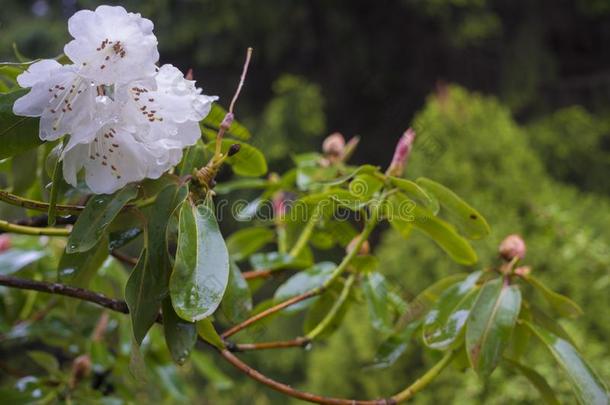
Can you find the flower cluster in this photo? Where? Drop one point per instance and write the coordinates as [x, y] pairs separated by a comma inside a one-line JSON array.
[[127, 118]]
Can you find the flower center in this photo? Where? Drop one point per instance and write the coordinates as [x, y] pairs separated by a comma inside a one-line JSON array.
[[113, 51]]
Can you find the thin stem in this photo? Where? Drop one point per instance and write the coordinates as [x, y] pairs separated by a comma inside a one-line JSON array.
[[332, 314], [121, 306], [282, 344], [242, 79], [249, 275], [306, 233], [37, 205], [425, 379], [30, 230], [268, 312]]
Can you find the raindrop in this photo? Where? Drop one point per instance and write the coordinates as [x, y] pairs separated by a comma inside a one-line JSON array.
[[308, 346]]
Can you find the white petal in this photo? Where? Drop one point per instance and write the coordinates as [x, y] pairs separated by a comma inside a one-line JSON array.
[[111, 45], [38, 72]]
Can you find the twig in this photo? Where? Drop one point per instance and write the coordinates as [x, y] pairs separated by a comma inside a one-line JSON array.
[[332, 314], [249, 275], [282, 344], [31, 230], [241, 80], [37, 205], [269, 311], [122, 257], [121, 306]]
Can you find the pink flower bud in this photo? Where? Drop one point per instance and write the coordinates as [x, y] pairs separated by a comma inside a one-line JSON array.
[[5, 243], [401, 153], [280, 206], [512, 246], [333, 144]]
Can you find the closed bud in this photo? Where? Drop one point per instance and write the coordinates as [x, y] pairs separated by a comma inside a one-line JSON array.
[[350, 147], [512, 246], [333, 145], [234, 149], [365, 248], [401, 153], [81, 367]]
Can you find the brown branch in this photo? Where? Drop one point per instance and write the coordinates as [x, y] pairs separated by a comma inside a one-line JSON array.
[[68, 291], [269, 311], [121, 306], [122, 257], [245, 347], [250, 275]]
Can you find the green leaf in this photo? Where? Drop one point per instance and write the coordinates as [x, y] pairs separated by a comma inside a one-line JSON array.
[[364, 186], [17, 134], [309, 177], [15, 259], [538, 381], [241, 184], [521, 336], [97, 215], [207, 332], [24, 168], [413, 190], [45, 360], [422, 303], [78, 269], [399, 213], [302, 282], [201, 269], [375, 289], [562, 304], [468, 220], [490, 325], [243, 243], [143, 306], [249, 161], [217, 115], [237, 302], [180, 335], [277, 261], [394, 346], [445, 236], [445, 321], [549, 323], [364, 263], [194, 158], [588, 387]]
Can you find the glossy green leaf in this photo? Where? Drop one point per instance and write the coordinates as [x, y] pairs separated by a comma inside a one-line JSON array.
[[490, 325], [445, 321], [538, 381], [413, 190], [312, 177], [148, 282], [399, 213], [249, 161], [194, 157], [180, 335], [15, 259], [376, 290], [549, 323], [277, 261], [45, 360], [394, 346], [243, 243], [588, 387], [241, 184], [207, 332], [97, 215], [78, 269], [364, 186], [17, 134], [445, 236], [302, 282], [237, 302], [422, 303], [519, 343], [143, 306], [562, 304], [469, 221], [201, 269]]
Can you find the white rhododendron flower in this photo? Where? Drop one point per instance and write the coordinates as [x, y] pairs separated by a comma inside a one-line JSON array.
[[147, 126], [126, 118], [111, 45], [60, 97]]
